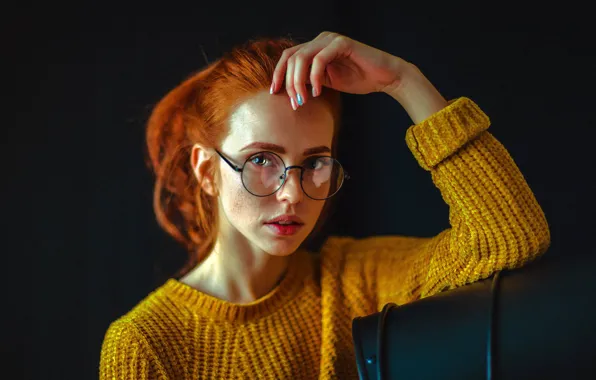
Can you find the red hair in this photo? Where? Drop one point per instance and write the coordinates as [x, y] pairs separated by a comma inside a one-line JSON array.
[[196, 111]]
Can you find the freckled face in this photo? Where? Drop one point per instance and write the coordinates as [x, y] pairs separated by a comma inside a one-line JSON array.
[[270, 119]]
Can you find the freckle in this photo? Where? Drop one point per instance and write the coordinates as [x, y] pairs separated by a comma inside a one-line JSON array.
[[237, 203]]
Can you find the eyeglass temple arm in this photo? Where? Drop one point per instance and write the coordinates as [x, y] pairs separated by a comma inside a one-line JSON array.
[[236, 168]]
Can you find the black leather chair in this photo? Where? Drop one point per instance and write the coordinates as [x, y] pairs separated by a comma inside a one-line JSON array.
[[535, 322]]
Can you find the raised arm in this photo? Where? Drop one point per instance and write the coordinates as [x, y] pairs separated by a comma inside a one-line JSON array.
[[496, 222]]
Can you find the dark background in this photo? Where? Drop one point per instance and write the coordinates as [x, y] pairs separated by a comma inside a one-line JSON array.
[[81, 245]]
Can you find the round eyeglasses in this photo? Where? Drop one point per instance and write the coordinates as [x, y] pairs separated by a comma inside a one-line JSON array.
[[264, 173]]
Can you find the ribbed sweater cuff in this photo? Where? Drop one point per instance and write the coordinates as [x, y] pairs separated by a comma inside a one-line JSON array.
[[444, 132]]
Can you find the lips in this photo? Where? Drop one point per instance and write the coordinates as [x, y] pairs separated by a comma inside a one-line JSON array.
[[286, 219], [283, 229]]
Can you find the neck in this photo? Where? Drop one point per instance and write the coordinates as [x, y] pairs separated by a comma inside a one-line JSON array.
[[237, 274]]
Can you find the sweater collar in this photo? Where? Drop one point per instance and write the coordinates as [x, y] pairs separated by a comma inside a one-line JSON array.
[[300, 266]]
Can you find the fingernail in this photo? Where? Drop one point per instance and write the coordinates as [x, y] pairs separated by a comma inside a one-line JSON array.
[[314, 92], [271, 88], [293, 104], [299, 99]]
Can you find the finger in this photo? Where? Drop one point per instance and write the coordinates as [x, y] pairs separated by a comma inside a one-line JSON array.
[[290, 82], [320, 61], [301, 68], [302, 64], [280, 69]]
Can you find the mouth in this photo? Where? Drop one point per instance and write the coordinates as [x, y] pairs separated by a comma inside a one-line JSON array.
[[284, 229]]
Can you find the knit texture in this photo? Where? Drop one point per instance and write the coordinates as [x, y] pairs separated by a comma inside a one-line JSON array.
[[302, 328]]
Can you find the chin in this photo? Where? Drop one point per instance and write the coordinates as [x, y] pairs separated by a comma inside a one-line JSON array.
[[279, 244], [282, 247], [282, 250]]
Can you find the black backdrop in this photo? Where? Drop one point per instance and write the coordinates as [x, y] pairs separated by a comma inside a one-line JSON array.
[[81, 245]]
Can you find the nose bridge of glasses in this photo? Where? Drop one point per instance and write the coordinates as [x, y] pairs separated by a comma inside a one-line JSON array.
[[293, 167], [296, 187], [286, 172]]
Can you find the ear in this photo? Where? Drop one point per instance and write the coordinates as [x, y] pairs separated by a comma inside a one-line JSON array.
[[200, 161]]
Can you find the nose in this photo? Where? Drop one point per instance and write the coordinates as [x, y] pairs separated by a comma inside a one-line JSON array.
[[291, 190]]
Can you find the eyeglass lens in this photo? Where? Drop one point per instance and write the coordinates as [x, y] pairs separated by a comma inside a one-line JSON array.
[[263, 174]]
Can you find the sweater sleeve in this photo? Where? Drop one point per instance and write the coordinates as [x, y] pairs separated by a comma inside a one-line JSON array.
[[496, 222], [125, 354]]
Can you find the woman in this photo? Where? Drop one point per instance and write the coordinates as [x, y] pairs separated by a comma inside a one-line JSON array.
[[243, 153]]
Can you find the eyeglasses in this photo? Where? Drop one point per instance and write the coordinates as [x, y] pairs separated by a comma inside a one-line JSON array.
[[264, 173]]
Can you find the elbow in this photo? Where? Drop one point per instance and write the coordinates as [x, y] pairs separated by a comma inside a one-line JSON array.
[[510, 245], [539, 236], [526, 241]]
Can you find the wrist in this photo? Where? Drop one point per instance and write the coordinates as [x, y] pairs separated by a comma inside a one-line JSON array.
[[407, 74], [416, 94]]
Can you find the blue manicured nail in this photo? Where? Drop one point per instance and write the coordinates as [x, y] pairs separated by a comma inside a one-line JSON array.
[[299, 98]]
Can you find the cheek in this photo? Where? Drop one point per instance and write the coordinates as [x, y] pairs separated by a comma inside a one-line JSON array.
[[242, 204], [318, 208], [321, 205], [241, 207]]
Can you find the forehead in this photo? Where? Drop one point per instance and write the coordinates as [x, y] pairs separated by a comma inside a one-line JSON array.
[[270, 118]]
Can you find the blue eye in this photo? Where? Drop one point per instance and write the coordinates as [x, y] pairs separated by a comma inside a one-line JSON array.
[[265, 159], [258, 160]]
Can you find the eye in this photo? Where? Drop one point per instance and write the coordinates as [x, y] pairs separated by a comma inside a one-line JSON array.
[[317, 163], [264, 159], [259, 160]]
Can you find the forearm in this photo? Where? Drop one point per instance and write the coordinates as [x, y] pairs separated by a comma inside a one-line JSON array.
[[496, 221], [417, 95]]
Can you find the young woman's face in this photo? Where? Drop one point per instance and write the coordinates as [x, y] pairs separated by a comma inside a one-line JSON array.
[[269, 119]]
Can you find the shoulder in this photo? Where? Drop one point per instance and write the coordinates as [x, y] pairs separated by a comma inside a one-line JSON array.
[[373, 267], [342, 248], [147, 333], [345, 255], [155, 312], [124, 347], [121, 332]]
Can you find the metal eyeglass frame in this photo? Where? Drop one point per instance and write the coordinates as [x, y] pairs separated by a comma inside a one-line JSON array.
[[240, 169]]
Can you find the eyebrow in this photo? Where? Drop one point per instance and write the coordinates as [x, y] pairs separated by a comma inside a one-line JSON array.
[[280, 149]]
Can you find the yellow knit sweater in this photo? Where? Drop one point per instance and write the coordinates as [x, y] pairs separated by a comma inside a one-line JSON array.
[[302, 328]]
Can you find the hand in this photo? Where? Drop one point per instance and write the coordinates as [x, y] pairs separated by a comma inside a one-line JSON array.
[[337, 62]]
